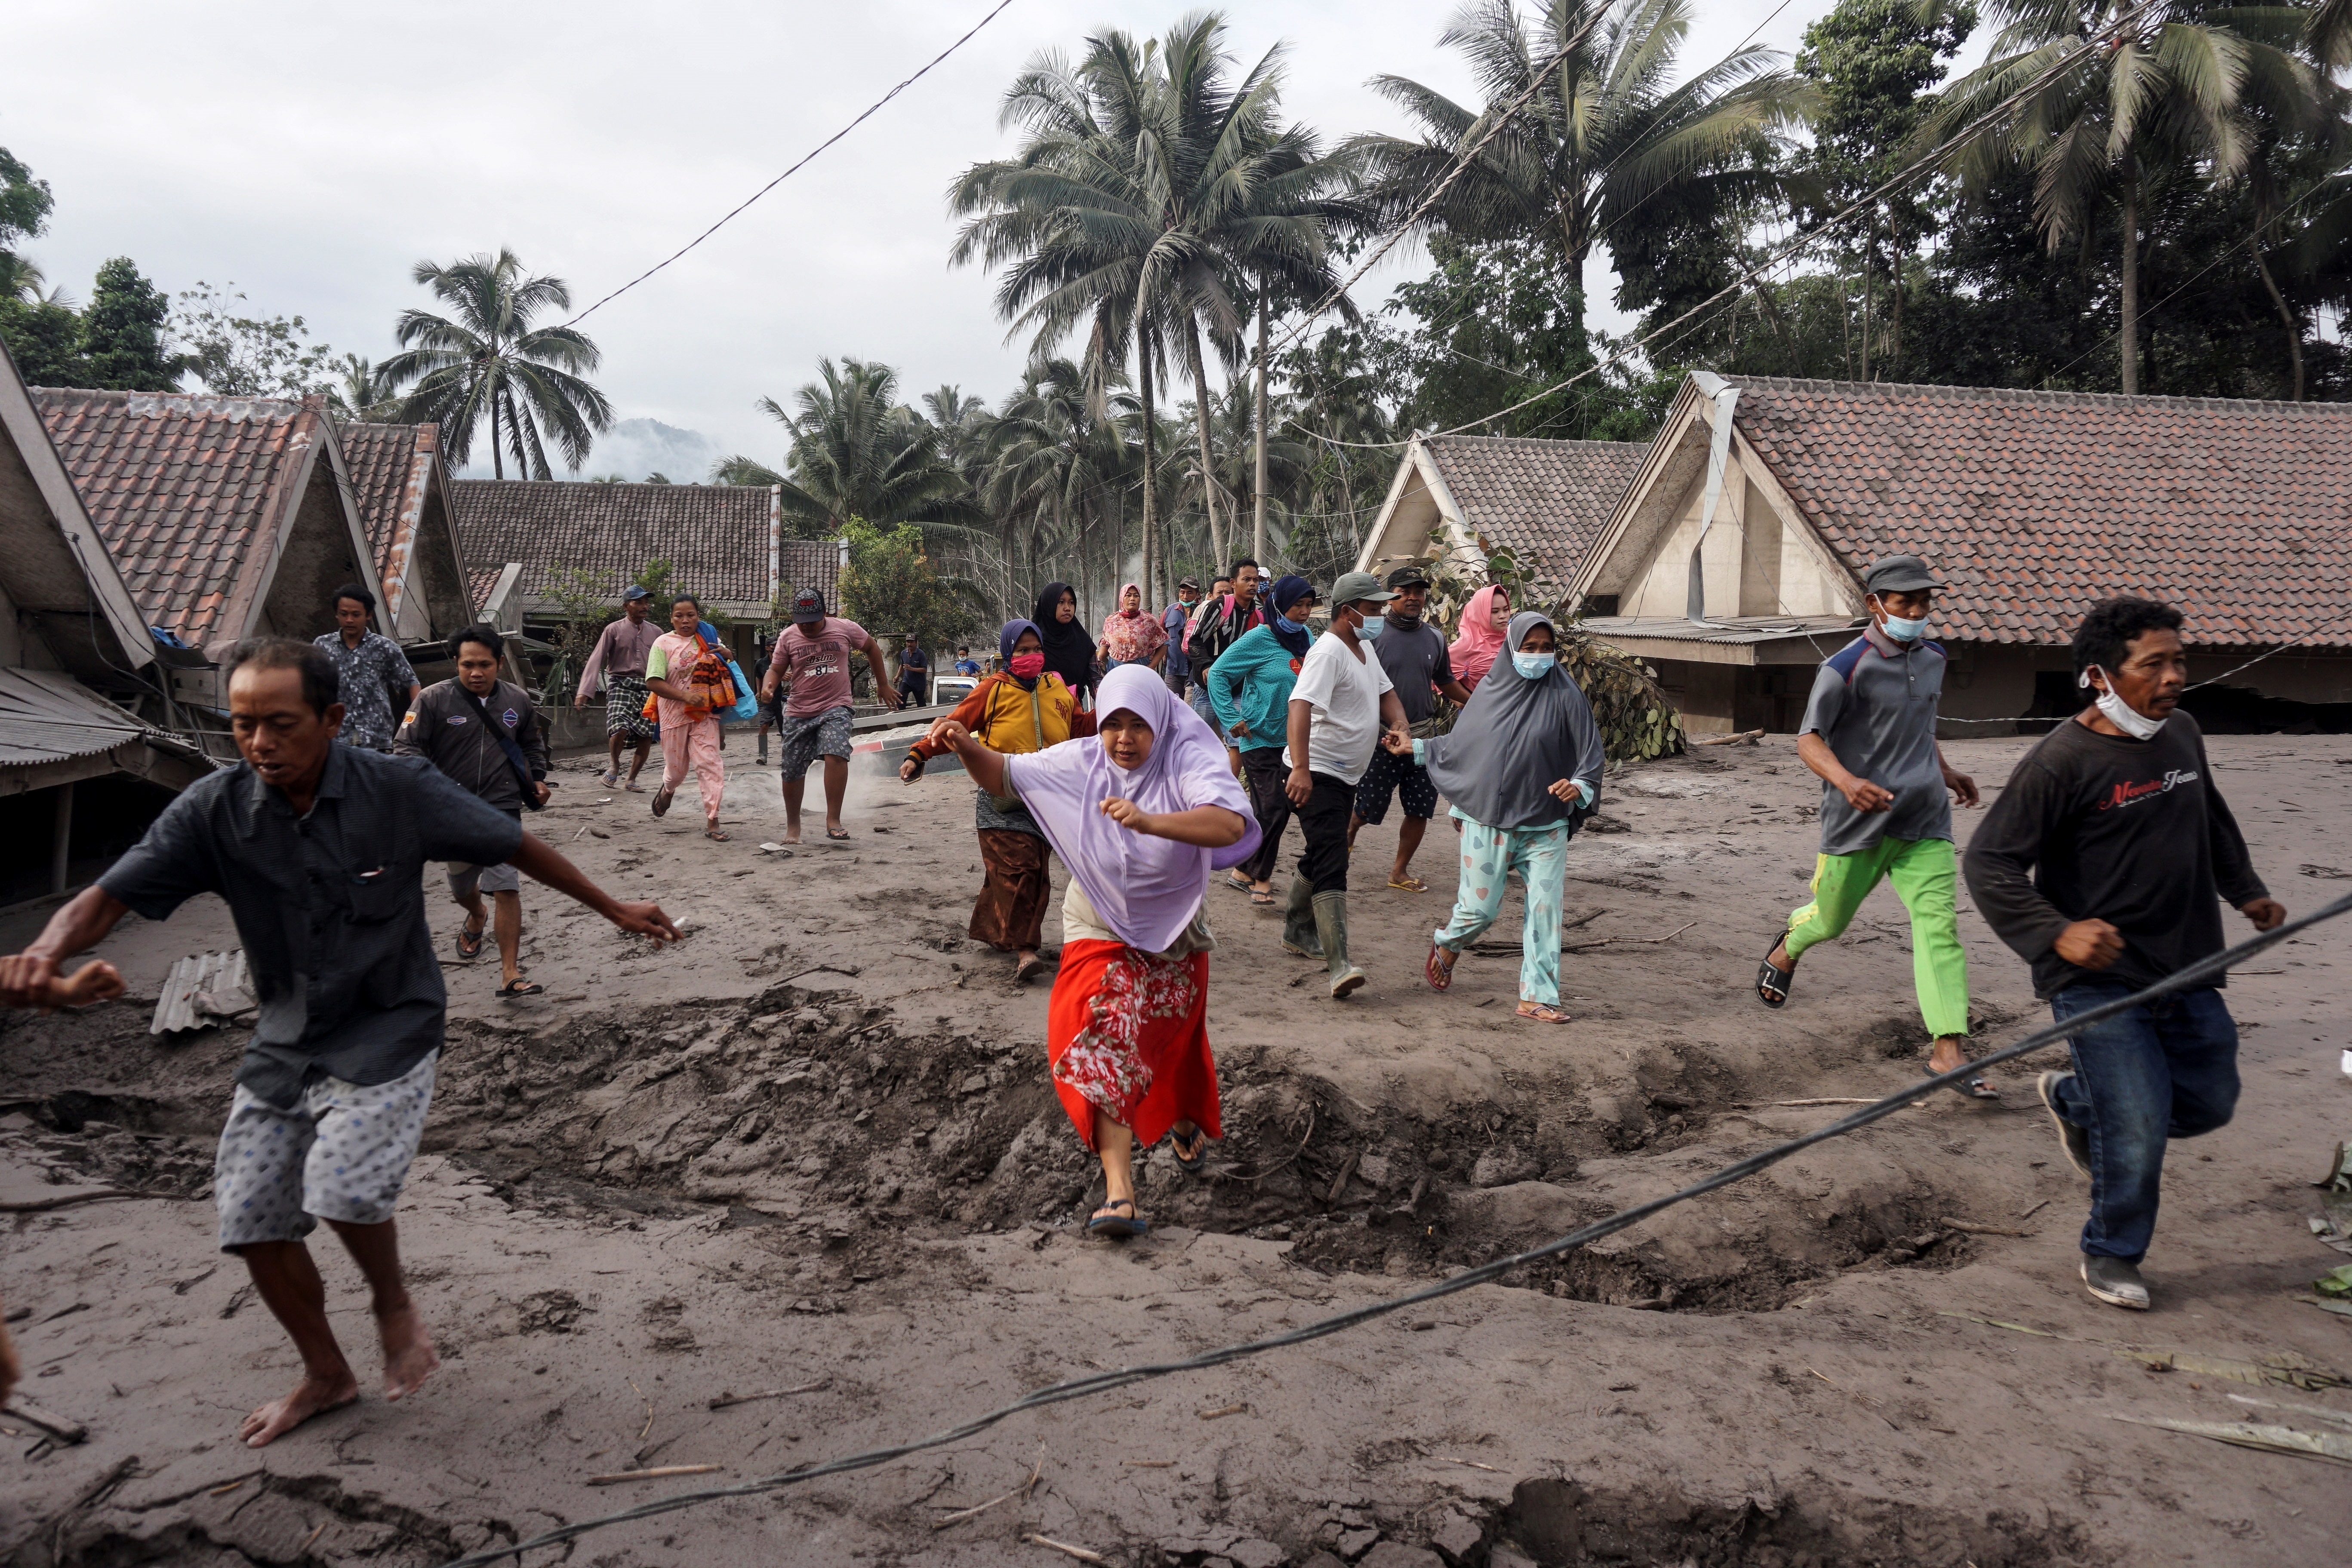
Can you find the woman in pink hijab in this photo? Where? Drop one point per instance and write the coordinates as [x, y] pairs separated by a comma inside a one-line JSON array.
[[1486, 621], [1131, 637], [1141, 812]]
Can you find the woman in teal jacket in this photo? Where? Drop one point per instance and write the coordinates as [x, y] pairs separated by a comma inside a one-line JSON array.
[[1249, 691]]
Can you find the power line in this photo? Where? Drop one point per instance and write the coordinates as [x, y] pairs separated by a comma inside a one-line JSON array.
[[795, 169], [2195, 975]]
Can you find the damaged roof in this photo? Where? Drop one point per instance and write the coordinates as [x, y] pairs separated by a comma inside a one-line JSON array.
[[2032, 504]]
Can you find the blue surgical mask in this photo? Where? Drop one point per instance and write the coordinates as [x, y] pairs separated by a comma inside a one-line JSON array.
[[1532, 665], [1372, 627], [1904, 631], [1284, 623]]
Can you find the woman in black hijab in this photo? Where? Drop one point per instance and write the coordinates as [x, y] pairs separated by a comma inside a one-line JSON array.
[[1069, 652]]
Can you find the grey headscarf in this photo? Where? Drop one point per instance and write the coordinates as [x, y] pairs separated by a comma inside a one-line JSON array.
[[1515, 739]]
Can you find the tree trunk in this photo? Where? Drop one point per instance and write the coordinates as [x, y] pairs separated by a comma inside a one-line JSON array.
[[1201, 422], [2287, 316], [2127, 346], [1868, 242], [1257, 524], [1895, 312], [498, 469], [1151, 508]]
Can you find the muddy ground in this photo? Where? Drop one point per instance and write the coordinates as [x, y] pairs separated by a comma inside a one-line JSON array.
[[814, 1148]]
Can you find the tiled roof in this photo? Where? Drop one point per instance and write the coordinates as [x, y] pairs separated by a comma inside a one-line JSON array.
[[480, 581], [715, 537], [181, 487], [385, 483], [1546, 501], [2031, 504]]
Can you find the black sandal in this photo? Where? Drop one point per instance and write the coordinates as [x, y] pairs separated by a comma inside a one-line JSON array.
[[1967, 1088], [469, 943], [1772, 982], [1200, 1154], [1116, 1226]]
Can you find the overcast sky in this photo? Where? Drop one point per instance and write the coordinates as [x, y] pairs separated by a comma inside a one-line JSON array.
[[314, 155]]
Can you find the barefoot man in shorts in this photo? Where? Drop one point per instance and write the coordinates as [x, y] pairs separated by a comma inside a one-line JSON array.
[[319, 849]]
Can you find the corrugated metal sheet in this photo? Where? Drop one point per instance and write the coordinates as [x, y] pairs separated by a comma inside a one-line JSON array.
[[46, 717], [200, 990]]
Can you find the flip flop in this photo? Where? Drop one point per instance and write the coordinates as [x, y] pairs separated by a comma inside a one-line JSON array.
[[1239, 885], [610, 777], [1409, 885], [1024, 968], [1199, 1142], [633, 787], [1967, 1088], [661, 802], [1772, 983], [717, 835], [519, 986], [1263, 900], [469, 943], [1439, 975], [840, 835], [1544, 1013], [1116, 1226]]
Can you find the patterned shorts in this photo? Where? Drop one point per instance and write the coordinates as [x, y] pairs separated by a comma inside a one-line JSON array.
[[1390, 773], [341, 1153], [807, 737], [625, 709]]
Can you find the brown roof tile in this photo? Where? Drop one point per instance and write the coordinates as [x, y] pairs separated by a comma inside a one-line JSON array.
[[390, 467], [2029, 504], [1545, 501], [715, 537], [180, 487]]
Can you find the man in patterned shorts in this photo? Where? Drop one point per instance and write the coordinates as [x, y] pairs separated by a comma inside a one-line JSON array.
[[619, 657], [319, 849], [815, 648]]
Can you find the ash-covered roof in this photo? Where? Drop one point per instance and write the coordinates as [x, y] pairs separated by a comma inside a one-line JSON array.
[[1545, 501]]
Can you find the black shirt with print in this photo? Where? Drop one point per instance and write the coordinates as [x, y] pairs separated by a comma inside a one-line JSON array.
[[2103, 827]]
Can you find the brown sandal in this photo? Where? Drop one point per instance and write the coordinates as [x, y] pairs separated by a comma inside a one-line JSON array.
[[1439, 975], [1543, 1012]]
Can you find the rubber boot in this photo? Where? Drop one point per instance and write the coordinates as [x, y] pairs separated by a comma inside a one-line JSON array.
[[1331, 925], [1298, 932]]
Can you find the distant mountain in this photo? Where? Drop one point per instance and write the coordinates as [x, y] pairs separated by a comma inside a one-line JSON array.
[[635, 448]]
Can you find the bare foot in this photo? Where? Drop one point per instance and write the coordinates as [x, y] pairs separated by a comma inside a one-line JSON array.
[[792, 834], [408, 1356], [311, 1397]]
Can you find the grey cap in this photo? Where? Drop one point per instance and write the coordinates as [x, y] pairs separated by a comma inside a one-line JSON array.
[[1184, 582], [633, 593], [1355, 585], [1898, 574]]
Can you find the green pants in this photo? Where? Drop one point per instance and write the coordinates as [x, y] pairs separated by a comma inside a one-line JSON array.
[[1926, 875]]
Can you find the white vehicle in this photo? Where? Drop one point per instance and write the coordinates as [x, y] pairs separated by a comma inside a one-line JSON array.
[[949, 690]]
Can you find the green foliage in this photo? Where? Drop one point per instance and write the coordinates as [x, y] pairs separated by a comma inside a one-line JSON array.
[[584, 598], [43, 337], [485, 364], [856, 450], [25, 203], [654, 577], [247, 356], [360, 393], [891, 587], [123, 332]]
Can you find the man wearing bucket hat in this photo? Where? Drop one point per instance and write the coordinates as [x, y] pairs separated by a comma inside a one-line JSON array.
[[1887, 805], [1341, 704]]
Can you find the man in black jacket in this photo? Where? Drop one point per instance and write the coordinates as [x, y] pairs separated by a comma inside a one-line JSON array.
[[484, 733], [2101, 865]]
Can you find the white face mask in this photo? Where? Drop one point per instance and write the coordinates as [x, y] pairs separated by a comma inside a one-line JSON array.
[[2120, 714]]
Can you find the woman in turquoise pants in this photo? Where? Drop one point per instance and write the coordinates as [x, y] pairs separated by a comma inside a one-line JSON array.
[[1521, 768]]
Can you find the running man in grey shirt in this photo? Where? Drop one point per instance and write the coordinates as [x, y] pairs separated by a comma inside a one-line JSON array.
[[1870, 732]]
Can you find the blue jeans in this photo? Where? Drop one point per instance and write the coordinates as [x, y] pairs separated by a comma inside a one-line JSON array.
[[2165, 1069]]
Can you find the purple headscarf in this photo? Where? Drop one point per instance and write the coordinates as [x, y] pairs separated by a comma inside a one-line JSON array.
[[1144, 889]]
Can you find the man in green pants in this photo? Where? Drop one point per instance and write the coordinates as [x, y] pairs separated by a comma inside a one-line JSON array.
[[1870, 732]]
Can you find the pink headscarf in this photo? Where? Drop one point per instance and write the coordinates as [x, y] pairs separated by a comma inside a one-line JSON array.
[[1144, 889], [1473, 650], [1133, 636]]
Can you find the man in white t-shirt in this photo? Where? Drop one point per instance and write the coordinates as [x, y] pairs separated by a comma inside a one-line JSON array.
[[1341, 704]]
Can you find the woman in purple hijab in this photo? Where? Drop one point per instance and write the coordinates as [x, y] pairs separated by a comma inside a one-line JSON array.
[[1142, 812]]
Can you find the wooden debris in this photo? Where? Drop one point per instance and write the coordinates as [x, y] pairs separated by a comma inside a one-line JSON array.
[[1148, 1464], [658, 1472], [56, 1426], [725, 1400], [1449, 1460], [232, 1486], [1859, 1399], [42, 1205], [1080, 1552], [1021, 1490], [1226, 1410], [1745, 738], [313, 1541], [1963, 1224], [1340, 1182], [2037, 1208]]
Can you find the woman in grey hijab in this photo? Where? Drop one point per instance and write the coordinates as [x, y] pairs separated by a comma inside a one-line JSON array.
[[1521, 769]]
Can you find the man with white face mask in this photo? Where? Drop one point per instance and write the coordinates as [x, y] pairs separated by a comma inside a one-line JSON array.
[[1886, 815], [2102, 865]]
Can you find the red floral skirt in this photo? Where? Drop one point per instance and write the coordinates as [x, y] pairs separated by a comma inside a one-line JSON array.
[[1145, 1062]]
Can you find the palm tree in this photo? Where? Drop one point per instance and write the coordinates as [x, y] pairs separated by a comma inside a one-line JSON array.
[[485, 363], [2158, 98], [361, 394], [1602, 135], [1054, 463], [858, 452]]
